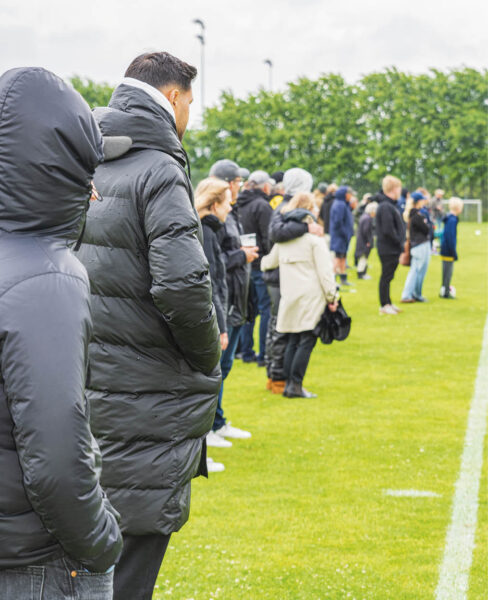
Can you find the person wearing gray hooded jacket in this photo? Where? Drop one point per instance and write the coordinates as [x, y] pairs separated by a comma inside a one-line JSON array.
[[58, 532], [283, 230], [155, 352]]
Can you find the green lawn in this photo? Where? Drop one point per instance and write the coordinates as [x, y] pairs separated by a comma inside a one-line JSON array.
[[300, 512]]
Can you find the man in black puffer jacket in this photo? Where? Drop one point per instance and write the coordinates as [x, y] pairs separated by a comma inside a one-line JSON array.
[[55, 520], [155, 353]]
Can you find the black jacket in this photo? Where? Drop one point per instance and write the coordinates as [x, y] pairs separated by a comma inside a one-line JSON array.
[[364, 236], [282, 230], [255, 214], [237, 269], [51, 502], [325, 210], [419, 228], [390, 228], [211, 227], [155, 352]]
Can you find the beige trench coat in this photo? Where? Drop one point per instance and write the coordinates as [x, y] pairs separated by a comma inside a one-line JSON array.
[[307, 281]]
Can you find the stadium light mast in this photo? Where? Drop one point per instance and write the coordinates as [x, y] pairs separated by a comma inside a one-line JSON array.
[[201, 36], [270, 74]]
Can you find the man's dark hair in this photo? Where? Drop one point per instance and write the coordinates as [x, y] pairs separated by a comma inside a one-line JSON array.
[[160, 69]]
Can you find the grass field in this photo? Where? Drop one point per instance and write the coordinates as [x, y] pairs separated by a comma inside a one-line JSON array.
[[300, 512]]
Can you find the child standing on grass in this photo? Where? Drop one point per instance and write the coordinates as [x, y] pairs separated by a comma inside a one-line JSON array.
[[365, 239], [448, 245]]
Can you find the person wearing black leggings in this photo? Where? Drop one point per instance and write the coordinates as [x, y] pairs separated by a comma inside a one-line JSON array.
[[390, 231]]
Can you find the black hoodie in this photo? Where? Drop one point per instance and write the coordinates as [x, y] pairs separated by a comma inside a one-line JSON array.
[[390, 228], [51, 502]]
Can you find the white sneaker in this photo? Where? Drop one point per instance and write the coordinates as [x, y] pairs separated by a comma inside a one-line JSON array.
[[388, 310], [233, 432], [217, 441], [214, 467], [396, 309]]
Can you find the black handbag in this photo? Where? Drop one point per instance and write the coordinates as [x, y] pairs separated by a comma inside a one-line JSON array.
[[333, 325]]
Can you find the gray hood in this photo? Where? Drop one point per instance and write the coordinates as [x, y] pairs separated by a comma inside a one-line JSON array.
[[50, 146], [297, 180]]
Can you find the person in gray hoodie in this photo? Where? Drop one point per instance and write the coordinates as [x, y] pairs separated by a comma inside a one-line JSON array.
[[282, 230], [59, 536]]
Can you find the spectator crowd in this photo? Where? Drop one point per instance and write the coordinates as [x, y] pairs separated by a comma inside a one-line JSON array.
[[126, 296]]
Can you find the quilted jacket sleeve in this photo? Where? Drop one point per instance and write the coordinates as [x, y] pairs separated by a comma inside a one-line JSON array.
[[181, 287], [43, 364]]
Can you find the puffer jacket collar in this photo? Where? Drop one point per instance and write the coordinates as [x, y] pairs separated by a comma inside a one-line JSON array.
[[134, 113]]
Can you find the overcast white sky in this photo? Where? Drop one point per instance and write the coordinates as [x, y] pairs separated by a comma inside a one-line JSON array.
[[98, 39]]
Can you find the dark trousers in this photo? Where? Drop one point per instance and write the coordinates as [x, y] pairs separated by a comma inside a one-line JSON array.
[[226, 362], [137, 570], [297, 355], [275, 341], [261, 299], [447, 269], [389, 263]]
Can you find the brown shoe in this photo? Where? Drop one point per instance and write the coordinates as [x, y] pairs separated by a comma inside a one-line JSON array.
[[407, 301], [278, 387], [269, 384]]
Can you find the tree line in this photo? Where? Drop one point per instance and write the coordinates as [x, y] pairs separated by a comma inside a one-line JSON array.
[[428, 129]]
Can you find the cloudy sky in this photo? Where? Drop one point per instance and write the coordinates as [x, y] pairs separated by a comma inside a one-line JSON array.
[[98, 39]]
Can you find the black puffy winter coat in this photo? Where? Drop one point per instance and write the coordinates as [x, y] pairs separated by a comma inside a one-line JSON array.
[[211, 226], [238, 271], [155, 352], [51, 502]]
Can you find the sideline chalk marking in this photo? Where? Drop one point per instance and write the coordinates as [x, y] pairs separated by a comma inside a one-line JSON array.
[[458, 554], [411, 494]]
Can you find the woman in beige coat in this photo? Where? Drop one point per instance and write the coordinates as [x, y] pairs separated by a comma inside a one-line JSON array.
[[307, 285]]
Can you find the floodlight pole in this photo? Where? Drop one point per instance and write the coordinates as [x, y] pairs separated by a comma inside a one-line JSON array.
[[270, 65], [201, 37]]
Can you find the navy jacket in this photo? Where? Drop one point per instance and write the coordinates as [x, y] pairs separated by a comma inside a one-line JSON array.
[[341, 224], [449, 237]]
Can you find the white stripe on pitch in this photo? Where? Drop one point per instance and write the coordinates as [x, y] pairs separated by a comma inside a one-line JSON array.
[[411, 494], [458, 554]]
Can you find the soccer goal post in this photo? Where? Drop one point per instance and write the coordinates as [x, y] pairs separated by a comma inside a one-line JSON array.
[[473, 209]]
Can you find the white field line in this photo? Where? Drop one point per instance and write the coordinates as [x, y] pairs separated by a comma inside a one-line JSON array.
[[460, 540], [411, 494]]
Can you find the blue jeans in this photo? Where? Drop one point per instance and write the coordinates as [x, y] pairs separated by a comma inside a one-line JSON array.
[[420, 258], [226, 362], [261, 298], [60, 579]]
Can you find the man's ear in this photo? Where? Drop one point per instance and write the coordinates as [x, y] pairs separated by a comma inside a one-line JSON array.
[[173, 96]]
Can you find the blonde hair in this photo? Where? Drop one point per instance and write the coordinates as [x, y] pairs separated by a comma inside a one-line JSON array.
[[303, 200], [408, 208], [389, 183], [332, 188], [456, 203], [209, 191]]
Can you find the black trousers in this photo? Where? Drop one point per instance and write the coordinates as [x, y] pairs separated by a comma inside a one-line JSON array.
[[389, 263], [447, 269], [136, 573], [297, 355], [275, 341]]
